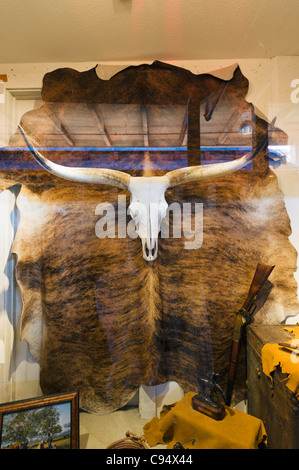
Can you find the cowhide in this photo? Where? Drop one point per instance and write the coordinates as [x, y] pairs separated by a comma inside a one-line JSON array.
[[98, 317]]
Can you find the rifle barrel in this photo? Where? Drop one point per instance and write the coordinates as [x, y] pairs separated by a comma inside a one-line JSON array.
[[287, 345], [261, 274]]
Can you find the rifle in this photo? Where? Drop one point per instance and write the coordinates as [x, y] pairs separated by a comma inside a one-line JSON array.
[[243, 317], [289, 346]]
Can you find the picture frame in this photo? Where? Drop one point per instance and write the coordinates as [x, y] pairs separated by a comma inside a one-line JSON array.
[[47, 422]]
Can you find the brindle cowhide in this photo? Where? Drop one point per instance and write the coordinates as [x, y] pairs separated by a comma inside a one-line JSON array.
[[99, 318]]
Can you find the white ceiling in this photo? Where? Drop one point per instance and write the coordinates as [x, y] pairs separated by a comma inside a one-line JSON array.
[[136, 30]]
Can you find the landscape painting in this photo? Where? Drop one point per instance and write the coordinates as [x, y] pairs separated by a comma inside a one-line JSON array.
[[46, 423]]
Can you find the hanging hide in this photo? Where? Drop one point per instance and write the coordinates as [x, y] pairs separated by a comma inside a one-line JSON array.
[[98, 317]]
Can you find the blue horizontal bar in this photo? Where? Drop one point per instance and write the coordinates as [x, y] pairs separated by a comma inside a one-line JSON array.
[[124, 149]]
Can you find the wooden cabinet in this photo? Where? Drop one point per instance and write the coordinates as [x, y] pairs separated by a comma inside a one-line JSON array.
[[271, 400]]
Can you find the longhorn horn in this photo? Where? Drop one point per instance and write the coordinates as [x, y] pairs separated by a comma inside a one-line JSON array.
[[121, 179], [201, 172], [84, 175]]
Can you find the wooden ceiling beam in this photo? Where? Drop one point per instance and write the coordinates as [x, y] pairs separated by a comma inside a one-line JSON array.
[[59, 126], [100, 124], [184, 130], [145, 126], [232, 121]]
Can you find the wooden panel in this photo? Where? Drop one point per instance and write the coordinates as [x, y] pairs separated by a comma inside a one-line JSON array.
[[271, 401]]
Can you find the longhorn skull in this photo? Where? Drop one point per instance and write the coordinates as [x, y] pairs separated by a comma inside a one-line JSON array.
[[148, 205]]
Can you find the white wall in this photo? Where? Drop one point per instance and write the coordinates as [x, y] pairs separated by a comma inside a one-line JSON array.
[[270, 91]]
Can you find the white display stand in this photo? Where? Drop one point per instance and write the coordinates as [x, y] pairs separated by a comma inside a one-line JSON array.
[[152, 399]]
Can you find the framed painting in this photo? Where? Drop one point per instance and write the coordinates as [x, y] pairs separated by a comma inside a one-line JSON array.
[[48, 422]]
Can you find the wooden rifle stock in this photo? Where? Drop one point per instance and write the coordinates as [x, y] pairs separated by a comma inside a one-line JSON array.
[[242, 317]]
